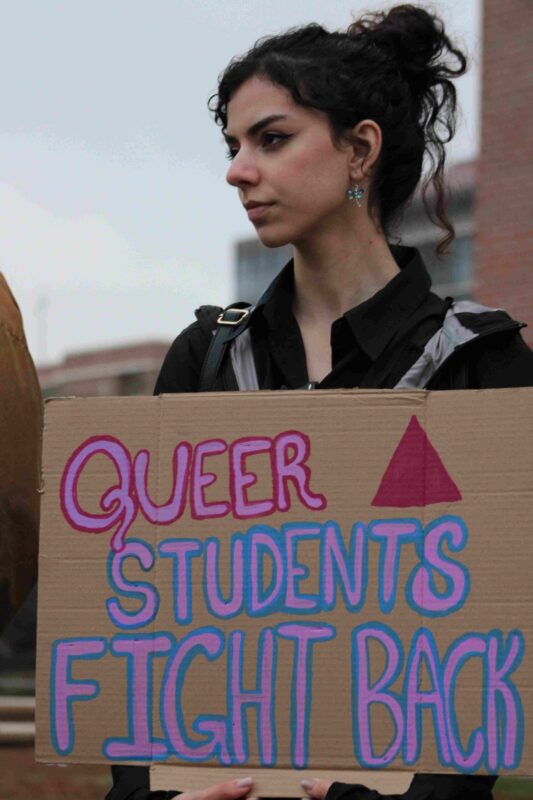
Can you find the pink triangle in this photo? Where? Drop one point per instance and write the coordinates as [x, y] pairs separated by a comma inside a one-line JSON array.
[[415, 475]]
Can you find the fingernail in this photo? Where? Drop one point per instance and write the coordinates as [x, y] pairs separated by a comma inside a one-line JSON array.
[[242, 782], [307, 784]]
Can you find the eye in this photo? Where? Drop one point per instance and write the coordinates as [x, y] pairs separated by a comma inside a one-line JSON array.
[[271, 139]]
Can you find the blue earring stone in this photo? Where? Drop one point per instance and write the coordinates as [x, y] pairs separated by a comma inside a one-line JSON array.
[[356, 194]]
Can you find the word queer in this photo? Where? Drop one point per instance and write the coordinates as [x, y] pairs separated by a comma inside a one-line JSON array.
[[437, 584], [284, 456], [496, 743]]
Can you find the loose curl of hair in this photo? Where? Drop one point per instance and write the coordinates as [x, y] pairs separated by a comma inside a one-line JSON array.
[[393, 67]]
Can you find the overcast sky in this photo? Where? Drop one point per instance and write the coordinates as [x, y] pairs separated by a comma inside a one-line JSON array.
[[115, 217]]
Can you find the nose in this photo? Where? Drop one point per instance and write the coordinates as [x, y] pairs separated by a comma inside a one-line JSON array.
[[243, 170]]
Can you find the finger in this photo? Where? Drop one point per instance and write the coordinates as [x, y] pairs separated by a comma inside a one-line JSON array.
[[230, 790], [316, 788]]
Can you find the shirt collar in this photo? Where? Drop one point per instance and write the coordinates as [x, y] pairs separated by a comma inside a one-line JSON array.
[[374, 322]]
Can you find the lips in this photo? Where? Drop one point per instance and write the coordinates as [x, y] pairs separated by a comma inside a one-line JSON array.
[[256, 210]]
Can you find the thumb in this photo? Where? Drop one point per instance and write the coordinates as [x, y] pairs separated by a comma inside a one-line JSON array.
[[230, 790], [316, 788]]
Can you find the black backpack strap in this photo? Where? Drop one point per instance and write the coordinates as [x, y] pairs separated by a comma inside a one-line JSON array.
[[222, 328], [229, 323]]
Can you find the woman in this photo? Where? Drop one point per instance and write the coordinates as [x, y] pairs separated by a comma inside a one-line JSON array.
[[327, 134]]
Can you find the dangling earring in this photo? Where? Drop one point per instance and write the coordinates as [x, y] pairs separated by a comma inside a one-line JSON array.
[[356, 194]]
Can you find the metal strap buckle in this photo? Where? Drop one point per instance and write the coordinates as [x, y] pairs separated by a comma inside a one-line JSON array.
[[244, 312]]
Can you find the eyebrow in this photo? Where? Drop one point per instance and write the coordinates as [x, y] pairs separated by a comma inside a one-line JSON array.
[[257, 126]]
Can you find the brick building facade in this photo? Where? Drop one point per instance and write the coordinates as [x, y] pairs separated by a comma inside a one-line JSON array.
[[503, 249], [127, 370]]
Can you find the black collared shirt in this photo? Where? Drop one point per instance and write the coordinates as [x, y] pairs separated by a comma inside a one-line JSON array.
[[358, 339], [372, 344]]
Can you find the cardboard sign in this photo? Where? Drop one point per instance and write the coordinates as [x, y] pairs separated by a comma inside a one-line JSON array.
[[277, 582]]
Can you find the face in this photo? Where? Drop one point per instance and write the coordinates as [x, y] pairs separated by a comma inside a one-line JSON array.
[[285, 164]]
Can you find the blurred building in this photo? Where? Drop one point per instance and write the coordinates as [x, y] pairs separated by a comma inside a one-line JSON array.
[[128, 370], [256, 265], [504, 206]]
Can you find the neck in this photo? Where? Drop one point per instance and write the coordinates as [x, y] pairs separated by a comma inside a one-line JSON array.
[[333, 273]]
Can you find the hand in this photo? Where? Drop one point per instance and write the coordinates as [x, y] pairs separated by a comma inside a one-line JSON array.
[[316, 788], [230, 790]]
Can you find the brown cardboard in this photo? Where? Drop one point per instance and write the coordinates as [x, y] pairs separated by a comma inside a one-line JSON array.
[[447, 476]]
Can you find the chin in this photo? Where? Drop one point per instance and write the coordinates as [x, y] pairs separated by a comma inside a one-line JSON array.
[[272, 238]]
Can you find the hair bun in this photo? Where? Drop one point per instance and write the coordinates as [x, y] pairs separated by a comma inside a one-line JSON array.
[[414, 40]]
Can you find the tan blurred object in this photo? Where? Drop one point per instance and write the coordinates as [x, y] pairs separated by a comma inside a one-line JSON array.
[[20, 437]]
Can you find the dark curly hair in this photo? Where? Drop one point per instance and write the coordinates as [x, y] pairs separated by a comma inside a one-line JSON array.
[[392, 67]]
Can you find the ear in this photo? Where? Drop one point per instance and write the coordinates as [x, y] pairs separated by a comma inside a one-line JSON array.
[[367, 138]]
